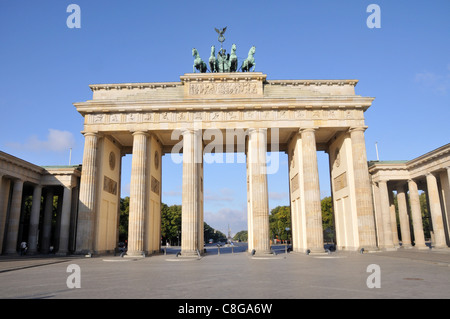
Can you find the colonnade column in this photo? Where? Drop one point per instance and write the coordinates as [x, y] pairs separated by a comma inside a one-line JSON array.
[[86, 218], [34, 219], [136, 223], [419, 237], [404, 217], [363, 191], [436, 212], [47, 222], [65, 221], [192, 194], [386, 215], [392, 213], [14, 219], [257, 191], [313, 210]]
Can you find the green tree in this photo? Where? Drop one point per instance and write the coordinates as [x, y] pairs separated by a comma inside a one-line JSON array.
[[242, 235], [123, 218], [171, 223], [280, 222], [425, 215], [214, 234], [327, 218]]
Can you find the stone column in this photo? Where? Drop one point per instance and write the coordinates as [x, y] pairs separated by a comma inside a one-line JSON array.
[[385, 211], [363, 191], [86, 210], [258, 192], [65, 221], [47, 222], [313, 210], [14, 217], [378, 214], [136, 223], [436, 211], [192, 199], [416, 214], [395, 240], [34, 220], [404, 217]]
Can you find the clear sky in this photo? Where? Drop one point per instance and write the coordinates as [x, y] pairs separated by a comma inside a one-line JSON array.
[[45, 66]]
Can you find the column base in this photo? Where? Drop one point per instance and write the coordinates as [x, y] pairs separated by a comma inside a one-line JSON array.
[[421, 247], [135, 254], [264, 253], [316, 251], [189, 254], [61, 254], [390, 248]]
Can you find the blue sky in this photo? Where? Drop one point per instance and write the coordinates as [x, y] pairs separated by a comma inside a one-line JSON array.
[[46, 66]]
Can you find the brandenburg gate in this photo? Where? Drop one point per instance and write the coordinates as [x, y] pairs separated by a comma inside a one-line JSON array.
[[245, 112]]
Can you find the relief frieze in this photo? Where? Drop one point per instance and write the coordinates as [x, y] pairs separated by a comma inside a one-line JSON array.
[[223, 88]]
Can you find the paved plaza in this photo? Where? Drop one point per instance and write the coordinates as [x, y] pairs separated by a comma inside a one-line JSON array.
[[230, 275]]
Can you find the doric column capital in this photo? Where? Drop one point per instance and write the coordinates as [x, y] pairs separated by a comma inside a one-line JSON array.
[[139, 132], [307, 129], [89, 133], [357, 129]]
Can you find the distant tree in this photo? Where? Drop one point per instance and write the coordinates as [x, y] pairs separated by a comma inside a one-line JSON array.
[[170, 223], [327, 218], [425, 215], [280, 222], [123, 219], [214, 234], [242, 235]]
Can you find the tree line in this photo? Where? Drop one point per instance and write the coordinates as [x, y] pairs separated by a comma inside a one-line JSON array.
[[170, 224]]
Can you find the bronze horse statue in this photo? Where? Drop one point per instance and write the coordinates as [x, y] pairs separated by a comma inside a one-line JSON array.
[[199, 64], [250, 61]]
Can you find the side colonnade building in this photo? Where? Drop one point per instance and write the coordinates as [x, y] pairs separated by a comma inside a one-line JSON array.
[[27, 213], [429, 173]]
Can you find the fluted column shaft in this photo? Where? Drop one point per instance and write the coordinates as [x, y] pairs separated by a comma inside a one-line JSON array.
[[47, 222], [65, 221], [192, 198], [404, 217], [34, 219], [136, 223], [386, 215], [363, 190], [14, 218], [436, 211], [313, 208], [259, 196], [392, 213], [416, 214], [86, 213]]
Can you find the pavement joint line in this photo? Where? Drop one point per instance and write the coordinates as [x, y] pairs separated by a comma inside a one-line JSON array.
[[33, 266]]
